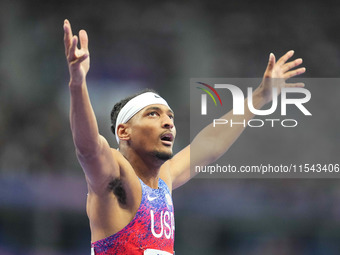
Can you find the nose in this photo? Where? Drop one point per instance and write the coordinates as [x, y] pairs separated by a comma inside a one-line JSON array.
[[167, 123]]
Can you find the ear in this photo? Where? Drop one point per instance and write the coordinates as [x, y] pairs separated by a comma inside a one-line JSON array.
[[123, 132]]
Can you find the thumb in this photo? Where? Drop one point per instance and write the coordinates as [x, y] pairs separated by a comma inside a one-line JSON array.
[[270, 66]]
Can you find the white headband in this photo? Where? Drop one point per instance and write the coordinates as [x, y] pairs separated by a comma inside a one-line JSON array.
[[135, 105]]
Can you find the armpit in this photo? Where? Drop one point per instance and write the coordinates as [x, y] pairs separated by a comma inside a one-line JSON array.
[[116, 186]]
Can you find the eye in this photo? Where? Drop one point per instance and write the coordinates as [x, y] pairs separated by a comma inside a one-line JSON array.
[[152, 114], [171, 116]]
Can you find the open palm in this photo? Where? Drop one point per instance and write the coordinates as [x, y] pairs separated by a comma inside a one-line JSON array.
[[278, 72]]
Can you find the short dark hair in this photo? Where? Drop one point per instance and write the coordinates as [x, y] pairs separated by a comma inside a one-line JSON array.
[[118, 106]]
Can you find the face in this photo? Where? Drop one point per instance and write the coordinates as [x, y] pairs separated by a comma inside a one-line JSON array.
[[153, 131]]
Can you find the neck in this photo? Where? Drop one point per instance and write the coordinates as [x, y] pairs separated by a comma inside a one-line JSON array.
[[146, 166]]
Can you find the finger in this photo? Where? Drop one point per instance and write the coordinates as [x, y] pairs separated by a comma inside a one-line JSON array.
[[294, 72], [295, 85], [291, 64], [72, 51], [285, 57], [80, 59], [83, 40], [83, 57], [67, 22], [270, 66], [67, 35]]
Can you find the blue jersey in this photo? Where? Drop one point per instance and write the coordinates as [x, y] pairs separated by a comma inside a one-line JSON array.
[[152, 230]]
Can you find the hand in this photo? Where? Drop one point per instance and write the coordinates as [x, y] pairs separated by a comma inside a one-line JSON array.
[[277, 73], [78, 59]]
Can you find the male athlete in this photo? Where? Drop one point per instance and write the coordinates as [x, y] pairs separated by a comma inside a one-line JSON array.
[[129, 201]]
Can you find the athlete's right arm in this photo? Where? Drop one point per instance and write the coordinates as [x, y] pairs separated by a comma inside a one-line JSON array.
[[93, 151]]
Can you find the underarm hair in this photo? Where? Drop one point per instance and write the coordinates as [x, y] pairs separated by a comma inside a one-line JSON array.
[[116, 186]]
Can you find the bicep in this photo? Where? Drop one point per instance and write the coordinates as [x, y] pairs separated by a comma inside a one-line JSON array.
[[100, 167]]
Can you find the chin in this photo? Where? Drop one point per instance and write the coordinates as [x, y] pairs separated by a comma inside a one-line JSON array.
[[162, 155]]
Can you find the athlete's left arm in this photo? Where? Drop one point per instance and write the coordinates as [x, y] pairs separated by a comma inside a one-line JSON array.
[[212, 142]]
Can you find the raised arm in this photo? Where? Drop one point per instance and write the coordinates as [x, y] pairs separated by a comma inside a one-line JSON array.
[[93, 151], [212, 142]]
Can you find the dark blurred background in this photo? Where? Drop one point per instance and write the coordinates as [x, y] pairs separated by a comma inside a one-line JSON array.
[[160, 45]]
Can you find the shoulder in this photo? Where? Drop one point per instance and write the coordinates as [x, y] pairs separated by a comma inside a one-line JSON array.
[[165, 174], [177, 170]]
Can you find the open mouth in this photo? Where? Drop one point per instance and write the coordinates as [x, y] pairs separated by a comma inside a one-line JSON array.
[[167, 138]]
